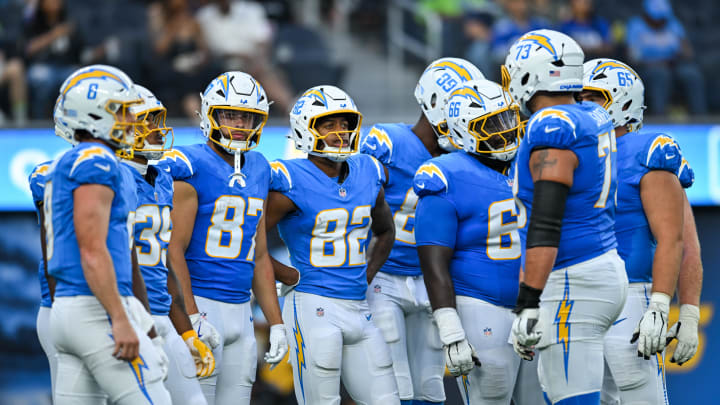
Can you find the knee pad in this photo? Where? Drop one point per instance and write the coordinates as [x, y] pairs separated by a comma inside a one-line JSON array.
[[386, 321], [326, 351], [494, 380], [629, 371], [378, 352]]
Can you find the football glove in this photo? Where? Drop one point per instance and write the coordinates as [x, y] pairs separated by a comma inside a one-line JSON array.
[[205, 331], [525, 332], [460, 357], [201, 354], [651, 332], [685, 330], [164, 362], [278, 345]]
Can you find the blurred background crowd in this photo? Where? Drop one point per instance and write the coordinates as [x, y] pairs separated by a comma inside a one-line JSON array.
[[374, 49]]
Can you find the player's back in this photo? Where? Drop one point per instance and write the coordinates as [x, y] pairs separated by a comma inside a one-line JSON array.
[[586, 130], [87, 163], [221, 252], [638, 154], [36, 180], [398, 148], [327, 236], [486, 257], [152, 233]]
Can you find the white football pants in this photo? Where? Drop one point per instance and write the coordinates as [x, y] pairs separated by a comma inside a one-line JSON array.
[[43, 330]]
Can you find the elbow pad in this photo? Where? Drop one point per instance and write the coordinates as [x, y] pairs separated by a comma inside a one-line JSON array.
[[548, 209]]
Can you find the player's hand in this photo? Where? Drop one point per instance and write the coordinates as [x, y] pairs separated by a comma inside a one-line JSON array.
[[651, 332], [201, 354], [526, 333], [127, 345], [460, 357], [205, 331], [278, 345], [686, 333], [163, 360]]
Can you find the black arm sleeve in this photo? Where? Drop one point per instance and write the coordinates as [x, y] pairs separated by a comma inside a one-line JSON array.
[[548, 209]]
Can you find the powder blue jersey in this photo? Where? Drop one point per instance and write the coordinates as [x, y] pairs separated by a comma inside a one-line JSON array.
[[37, 188], [638, 154], [469, 207], [586, 130], [328, 234], [402, 153], [152, 234], [221, 253], [87, 163]]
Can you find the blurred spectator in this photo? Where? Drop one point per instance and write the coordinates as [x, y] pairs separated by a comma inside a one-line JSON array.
[[658, 47], [12, 77], [508, 29], [52, 52], [589, 30], [478, 29], [239, 34], [180, 67]]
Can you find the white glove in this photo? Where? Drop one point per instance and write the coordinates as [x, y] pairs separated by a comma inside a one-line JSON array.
[[526, 333], [283, 289], [139, 315], [460, 357], [205, 331], [278, 345], [686, 332], [651, 332], [201, 354], [163, 360]]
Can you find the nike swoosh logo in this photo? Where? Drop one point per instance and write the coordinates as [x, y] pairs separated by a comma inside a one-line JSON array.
[[167, 169], [669, 156], [372, 147], [103, 167], [421, 185], [41, 185], [553, 129], [368, 316]]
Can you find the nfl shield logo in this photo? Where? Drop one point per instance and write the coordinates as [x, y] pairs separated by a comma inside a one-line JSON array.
[[320, 312], [487, 331], [510, 182], [377, 288], [342, 192]]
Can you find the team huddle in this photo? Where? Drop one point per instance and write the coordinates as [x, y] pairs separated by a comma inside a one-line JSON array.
[[535, 260]]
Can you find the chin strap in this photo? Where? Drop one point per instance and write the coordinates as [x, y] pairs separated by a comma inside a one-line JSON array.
[[140, 167], [238, 176]]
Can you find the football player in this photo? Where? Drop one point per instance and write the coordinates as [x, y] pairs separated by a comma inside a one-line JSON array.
[[469, 247], [650, 230], [397, 296], [325, 207], [574, 283], [218, 234], [36, 180], [152, 233], [96, 325]]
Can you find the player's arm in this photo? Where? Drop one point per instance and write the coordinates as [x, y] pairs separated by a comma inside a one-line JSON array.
[[94, 201], [263, 283], [278, 206], [185, 205], [663, 198], [43, 249], [140, 291], [383, 229], [552, 173]]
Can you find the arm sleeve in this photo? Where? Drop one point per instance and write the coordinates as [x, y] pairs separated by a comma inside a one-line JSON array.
[[429, 179], [551, 128], [177, 163], [436, 222], [97, 169], [377, 143], [280, 179]]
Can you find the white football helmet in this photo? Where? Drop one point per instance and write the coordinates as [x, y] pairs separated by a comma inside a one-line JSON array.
[[481, 117], [315, 104], [436, 83], [232, 98], [97, 99], [151, 115], [542, 60], [61, 126], [622, 89]]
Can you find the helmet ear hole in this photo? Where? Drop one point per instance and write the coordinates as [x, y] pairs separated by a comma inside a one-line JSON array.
[[525, 79], [299, 135], [433, 100], [626, 106]]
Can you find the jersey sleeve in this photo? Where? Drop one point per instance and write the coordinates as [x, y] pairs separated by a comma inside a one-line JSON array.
[[430, 179], [95, 165], [177, 163], [37, 181], [552, 128], [379, 170], [280, 179], [686, 174], [435, 222], [661, 153], [377, 143]]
